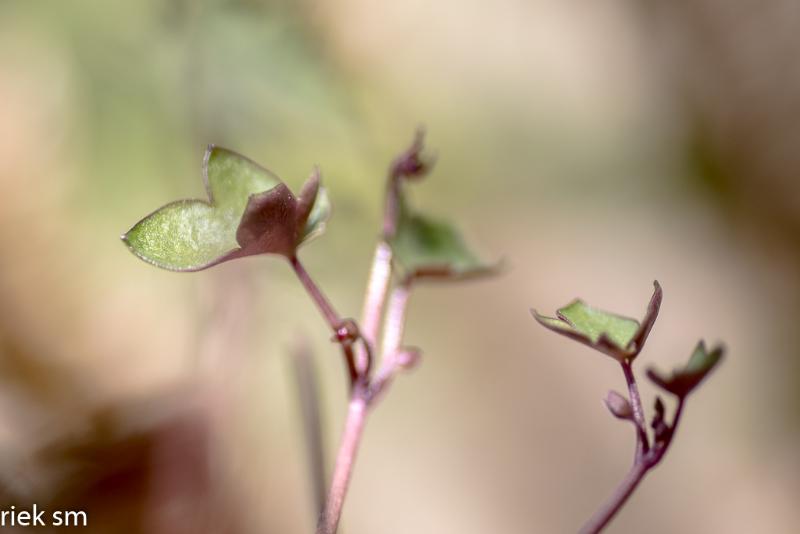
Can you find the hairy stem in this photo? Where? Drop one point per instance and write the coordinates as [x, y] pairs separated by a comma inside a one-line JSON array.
[[642, 443], [603, 516], [345, 459]]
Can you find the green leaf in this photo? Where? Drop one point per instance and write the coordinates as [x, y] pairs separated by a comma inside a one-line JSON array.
[[620, 337], [318, 217], [190, 235], [428, 248], [682, 381]]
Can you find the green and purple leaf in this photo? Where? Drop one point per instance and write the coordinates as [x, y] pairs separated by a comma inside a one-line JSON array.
[[683, 380], [249, 211], [620, 337], [429, 248]]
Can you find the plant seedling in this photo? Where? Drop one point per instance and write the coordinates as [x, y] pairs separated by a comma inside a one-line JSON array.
[[250, 211], [623, 339]]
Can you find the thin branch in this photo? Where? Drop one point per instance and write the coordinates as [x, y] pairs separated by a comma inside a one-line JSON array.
[[319, 298], [642, 443], [599, 521], [374, 299], [344, 331], [643, 463], [407, 165], [345, 459], [305, 374], [392, 338]]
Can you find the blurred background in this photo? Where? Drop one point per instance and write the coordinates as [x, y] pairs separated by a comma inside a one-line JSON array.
[[595, 146]]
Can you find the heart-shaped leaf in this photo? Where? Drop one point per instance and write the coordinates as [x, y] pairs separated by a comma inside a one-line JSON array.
[[682, 381], [619, 337], [428, 248], [248, 211]]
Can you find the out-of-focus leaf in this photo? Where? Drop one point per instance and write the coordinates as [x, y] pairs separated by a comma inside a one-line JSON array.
[[249, 211], [661, 430], [682, 381], [411, 165], [318, 218], [428, 248], [620, 337], [422, 246]]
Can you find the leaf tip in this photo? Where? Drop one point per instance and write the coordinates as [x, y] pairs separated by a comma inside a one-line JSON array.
[[658, 292], [210, 148]]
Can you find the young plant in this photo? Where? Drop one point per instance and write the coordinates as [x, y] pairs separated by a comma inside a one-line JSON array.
[[623, 339], [250, 211]]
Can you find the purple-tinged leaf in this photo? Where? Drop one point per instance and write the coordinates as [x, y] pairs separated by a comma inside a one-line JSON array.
[[620, 337], [683, 380], [237, 219]]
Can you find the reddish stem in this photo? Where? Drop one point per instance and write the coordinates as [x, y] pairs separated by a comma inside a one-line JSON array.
[[345, 459], [642, 443], [646, 459], [599, 521], [331, 317]]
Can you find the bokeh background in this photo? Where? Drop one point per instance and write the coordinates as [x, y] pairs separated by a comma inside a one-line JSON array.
[[594, 146]]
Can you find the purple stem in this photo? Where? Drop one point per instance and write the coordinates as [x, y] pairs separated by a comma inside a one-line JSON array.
[[599, 521], [642, 444], [334, 321], [646, 459]]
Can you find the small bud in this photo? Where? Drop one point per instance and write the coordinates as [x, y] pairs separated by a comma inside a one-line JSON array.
[[408, 358], [410, 164], [618, 405], [346, 332]]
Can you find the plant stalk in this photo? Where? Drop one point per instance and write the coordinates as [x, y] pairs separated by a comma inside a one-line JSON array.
[[307, 384], [331, 317], [374, 300], [345, 459], [646, 459], [603, 516], [319, 298], [392, 338], [642, 443]]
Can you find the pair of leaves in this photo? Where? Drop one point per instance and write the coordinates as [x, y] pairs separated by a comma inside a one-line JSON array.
[[683, 380], [623, 338], [620, 337], [249, 211]]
